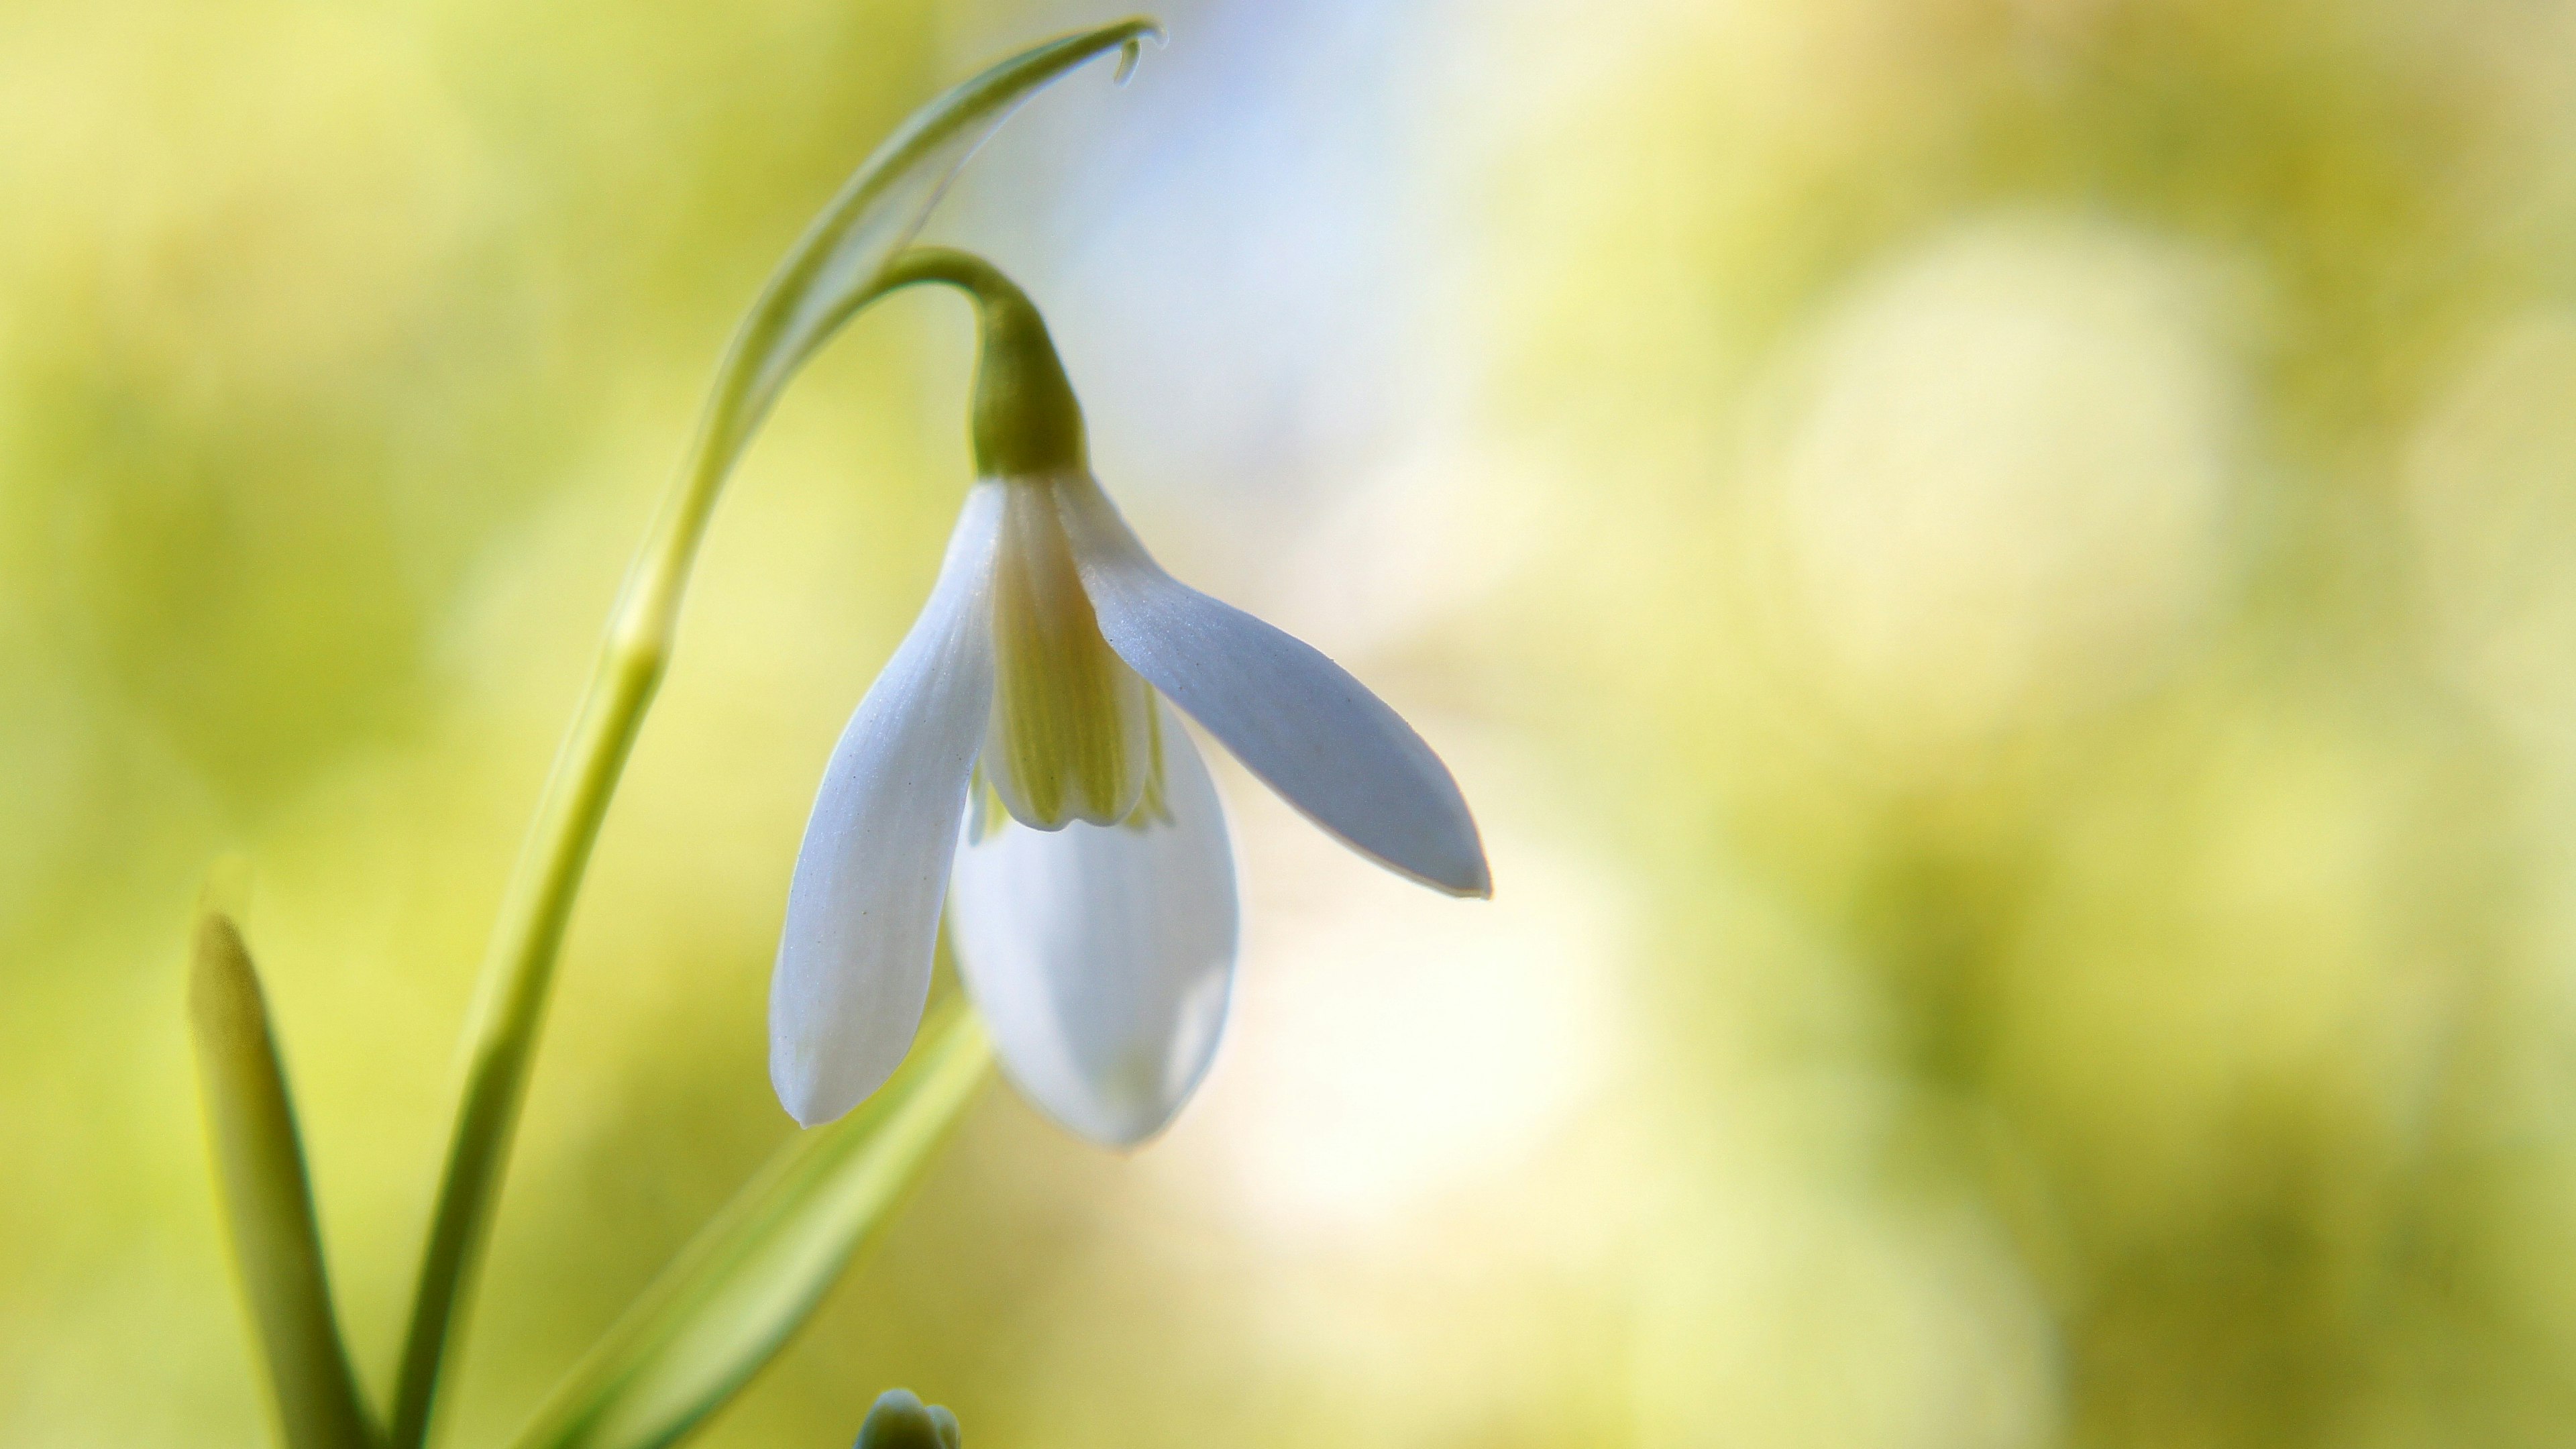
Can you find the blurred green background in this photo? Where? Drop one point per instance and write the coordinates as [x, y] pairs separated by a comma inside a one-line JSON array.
[[2001, 574]]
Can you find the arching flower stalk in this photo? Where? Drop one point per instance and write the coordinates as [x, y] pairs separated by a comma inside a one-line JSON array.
[[1029, 715]]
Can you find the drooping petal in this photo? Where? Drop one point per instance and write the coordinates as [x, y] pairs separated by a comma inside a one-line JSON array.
[[1102, 956], [1294, 717], [1071, 731], [863, 906]]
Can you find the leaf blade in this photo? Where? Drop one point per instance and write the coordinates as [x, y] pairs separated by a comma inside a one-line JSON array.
[[736, 1294], [268, 1197]]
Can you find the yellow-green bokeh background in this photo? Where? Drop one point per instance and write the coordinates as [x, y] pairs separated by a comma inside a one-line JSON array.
[[2001, 573]]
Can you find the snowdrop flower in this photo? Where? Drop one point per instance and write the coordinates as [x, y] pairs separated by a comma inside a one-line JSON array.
[[1021, 755]]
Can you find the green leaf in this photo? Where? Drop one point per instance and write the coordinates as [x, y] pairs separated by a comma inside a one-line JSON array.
[[734, 1296], [833, 269], [259, 1161]]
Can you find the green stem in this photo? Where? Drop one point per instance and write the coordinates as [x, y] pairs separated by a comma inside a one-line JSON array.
[[831, 274], [528, 938], [1025, 422], [519, 970]]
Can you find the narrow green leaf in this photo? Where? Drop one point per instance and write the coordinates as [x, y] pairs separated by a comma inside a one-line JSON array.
[[736, 1294], [830, 272], [259, 1161]]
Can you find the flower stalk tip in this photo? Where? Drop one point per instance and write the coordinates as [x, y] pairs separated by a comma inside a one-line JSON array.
[[1025, 421]]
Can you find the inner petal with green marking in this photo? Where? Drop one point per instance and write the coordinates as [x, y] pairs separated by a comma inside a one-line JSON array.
[[1072, 730]]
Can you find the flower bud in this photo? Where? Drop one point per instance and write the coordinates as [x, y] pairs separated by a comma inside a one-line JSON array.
[[902, 1421]]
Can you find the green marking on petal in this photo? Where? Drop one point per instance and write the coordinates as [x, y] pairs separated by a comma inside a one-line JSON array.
[[1072, 729], [987, 810], [1152, 808]]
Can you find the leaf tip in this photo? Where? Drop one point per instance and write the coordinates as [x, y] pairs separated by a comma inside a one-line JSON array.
[[1131, 36], [223, 985]]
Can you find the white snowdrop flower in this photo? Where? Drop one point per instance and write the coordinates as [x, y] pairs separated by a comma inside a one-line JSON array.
[[1020, 756]]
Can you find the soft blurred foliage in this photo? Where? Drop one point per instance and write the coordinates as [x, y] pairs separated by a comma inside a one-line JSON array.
[[2002, 574]]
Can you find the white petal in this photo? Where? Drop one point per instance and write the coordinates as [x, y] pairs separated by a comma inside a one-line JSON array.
[[863, 908], [1294, 717], [1102, 956]]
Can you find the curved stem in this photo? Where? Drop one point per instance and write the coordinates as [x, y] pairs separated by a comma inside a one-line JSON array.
[[519, 970], [965, 271], [1026, 423], [527, 939], [836, 269]]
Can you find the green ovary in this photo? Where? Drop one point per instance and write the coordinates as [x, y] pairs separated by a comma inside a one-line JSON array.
[[1072, 730]]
